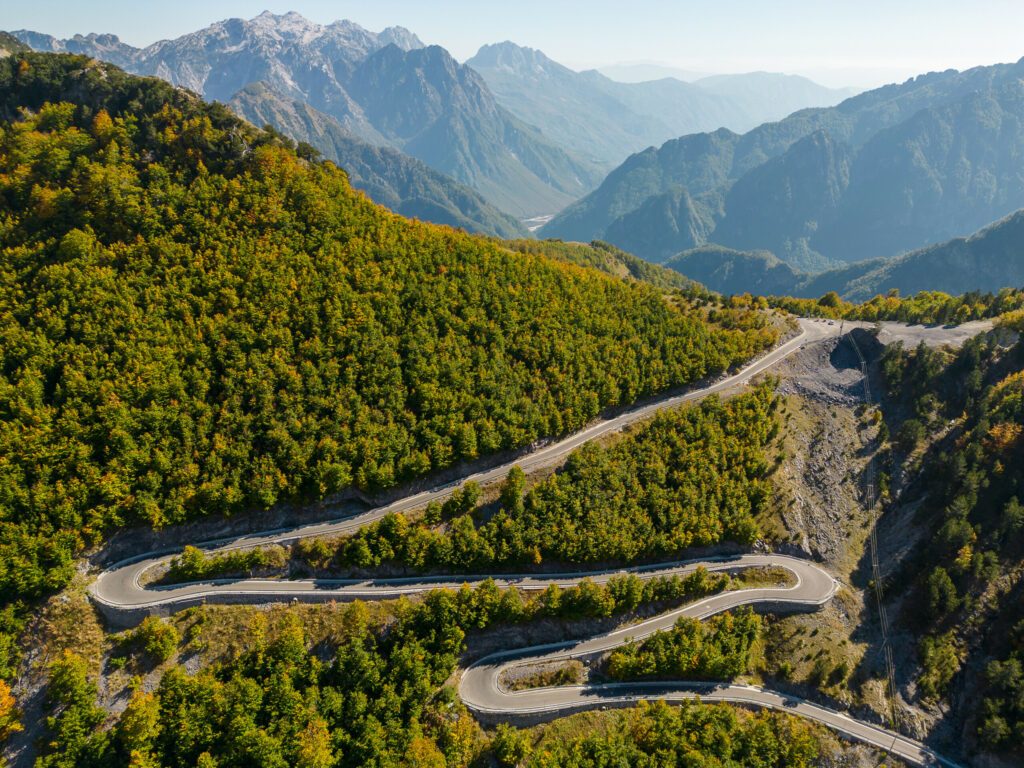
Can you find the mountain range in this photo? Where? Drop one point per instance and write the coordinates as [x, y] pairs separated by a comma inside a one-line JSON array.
[[643, 71], [889, 171], [606, 121], [526, 133], [386, 88], [988, 260], [401, 182], [848, 196]]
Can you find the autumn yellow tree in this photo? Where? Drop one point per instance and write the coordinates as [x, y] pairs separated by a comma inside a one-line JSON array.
[[8, 712]]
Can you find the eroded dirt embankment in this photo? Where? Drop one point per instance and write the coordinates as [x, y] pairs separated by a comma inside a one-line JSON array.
[[830, 436]]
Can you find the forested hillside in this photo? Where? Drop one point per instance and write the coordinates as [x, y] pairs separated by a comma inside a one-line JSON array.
[[926, 307], [608, 258], [361, 688], [693, 477], [729, 271], [964, 598], [197, 321], [988, 260]]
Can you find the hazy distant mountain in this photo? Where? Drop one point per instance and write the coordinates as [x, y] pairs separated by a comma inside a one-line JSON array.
[[608, 120], [402, 183], [988, 260], [386, 88], [10, 44], [105, 47], [885, 172], [771, 95], [601, 119], [664, 224], [699, 164], [292, 55], [778, 205], [642, 72]]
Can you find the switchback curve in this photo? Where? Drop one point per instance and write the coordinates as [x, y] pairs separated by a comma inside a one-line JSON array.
[[120, 593]]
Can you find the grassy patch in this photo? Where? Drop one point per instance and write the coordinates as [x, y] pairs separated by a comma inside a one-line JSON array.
[[816, 651], [568, 673], [222, 632], [762, 577], [69, 622]]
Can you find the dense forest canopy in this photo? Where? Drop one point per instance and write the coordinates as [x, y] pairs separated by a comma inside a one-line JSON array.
[[927, 307], [691, 477], [608, 258], [720, 648], [694, 476], [196, 320], [654, 735], [374, 696], [967, 605]]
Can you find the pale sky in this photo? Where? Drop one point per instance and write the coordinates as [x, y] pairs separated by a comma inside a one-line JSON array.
[[837, 42]]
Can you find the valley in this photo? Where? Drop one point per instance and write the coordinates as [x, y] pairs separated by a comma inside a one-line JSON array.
[[411, 399]]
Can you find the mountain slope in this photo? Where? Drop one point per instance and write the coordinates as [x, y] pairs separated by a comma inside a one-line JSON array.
[[947, 171], [197, 321], [729, 272], [292, 55], [665, 225], [405, 185], [608, 120], [988, 260], [932, 158], [601, 119], [767, 96], [778, 205], [606, 258], [443, 113], [10, 44], [386, 88], [699, 163]]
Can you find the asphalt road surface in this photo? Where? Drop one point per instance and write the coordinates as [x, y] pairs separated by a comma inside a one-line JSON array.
[[483, 691], [121, 594]]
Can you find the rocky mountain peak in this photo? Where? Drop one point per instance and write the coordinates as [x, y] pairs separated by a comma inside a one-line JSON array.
[[400, 36], [515, 59]]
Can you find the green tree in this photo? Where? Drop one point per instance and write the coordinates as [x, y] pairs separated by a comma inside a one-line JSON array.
[[512, 491], [511, 746], [158, 638], [942, 594]]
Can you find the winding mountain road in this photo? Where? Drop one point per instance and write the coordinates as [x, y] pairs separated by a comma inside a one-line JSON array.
[[483, 691], [122, 595]]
